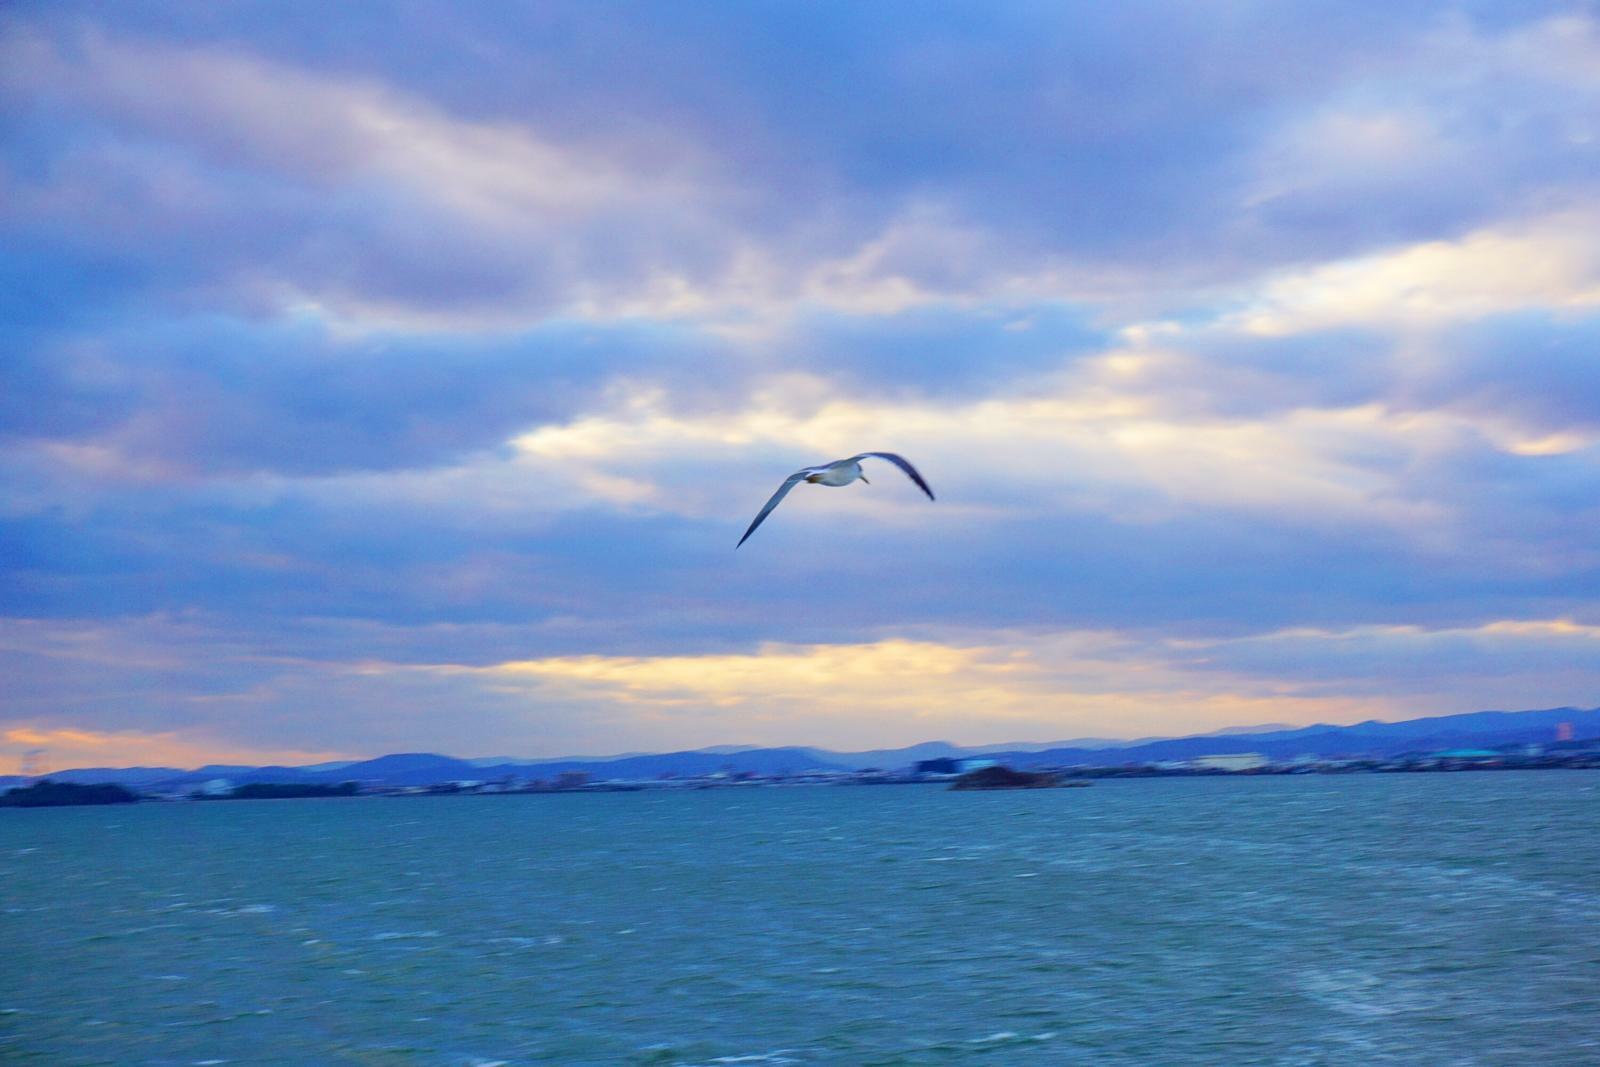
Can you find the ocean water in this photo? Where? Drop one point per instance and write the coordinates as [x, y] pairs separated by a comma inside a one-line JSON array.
[[1406, 919]]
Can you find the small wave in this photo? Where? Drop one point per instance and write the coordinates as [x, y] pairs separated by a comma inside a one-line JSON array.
[[994, 1038], [667, 1053], [404, 935], [1359, 993], [1011, 1037], [244, 909]]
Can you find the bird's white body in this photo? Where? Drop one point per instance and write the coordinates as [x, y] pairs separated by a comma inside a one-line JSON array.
[[842, 473]]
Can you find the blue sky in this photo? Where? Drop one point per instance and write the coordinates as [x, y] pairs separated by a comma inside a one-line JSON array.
[[387, 377]]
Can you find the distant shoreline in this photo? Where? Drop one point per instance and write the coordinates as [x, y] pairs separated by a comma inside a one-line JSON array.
[[79, 794]]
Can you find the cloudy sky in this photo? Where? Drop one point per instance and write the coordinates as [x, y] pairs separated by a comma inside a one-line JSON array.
[[383, 377]]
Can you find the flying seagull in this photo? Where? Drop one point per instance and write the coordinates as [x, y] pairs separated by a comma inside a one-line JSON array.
[[839, 472]]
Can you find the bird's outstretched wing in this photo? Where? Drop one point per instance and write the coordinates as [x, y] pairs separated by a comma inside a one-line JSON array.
[[898, 461], [777, 498]]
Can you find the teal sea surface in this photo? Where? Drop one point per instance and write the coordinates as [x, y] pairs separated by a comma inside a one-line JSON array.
[[1360, 919]]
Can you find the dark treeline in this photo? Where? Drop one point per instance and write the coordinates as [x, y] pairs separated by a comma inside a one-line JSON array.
[[47, 794]]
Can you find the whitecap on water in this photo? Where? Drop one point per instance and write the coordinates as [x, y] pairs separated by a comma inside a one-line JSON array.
[[526, 942], [1354, 992], [1011, 1037], [402, 935], [776, 1056], [994, 1038], [244, 909]]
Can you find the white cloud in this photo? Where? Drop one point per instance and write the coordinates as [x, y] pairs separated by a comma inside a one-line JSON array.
[[1550, 262], [1352, 150], [1094, 445]]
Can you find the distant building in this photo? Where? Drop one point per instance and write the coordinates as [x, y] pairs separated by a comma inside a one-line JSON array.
[[1230, 761], [216, 787]]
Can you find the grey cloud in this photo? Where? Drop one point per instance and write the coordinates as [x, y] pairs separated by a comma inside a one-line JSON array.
[[1119, 137], [1537, 367], [216, 395]]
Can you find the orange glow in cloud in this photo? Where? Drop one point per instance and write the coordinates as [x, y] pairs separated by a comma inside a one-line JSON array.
[[68, 747], [979, 687], [896, 691]]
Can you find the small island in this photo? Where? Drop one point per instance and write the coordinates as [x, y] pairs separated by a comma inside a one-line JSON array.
[[47, 794], [1002, 777]]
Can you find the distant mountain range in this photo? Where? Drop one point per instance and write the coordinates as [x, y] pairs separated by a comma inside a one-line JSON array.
[[1366, 739], [1476, 729]]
